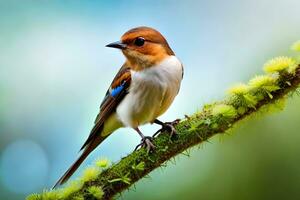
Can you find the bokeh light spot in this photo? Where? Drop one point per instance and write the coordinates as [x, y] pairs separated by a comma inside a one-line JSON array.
[[24, 166]]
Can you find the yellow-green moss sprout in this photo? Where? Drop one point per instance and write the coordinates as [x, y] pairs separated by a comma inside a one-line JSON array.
[[224, 110], [45, 195], [279, 64], [71, 188], [296, 46], [264, 84], [59, 194], [262, 81], [33, 197], [96, 192], [139, 167], [102, 163], [78, 198], [124, 179], [90, 174], [50, 195], [292, 69], [239, 89], [243, 100]]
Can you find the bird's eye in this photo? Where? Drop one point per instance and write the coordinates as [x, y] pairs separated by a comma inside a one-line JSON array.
[[139, 41]]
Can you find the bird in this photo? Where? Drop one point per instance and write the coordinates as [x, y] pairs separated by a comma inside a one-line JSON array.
[[142, 90]]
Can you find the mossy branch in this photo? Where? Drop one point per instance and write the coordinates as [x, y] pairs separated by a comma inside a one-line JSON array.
[[244, 100]]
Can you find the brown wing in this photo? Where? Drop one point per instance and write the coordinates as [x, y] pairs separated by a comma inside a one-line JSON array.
[[114, 95]]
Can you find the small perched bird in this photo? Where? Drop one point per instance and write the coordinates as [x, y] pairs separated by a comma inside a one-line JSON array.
[[142, 90]]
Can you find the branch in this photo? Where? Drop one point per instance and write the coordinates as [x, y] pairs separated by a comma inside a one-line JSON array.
[[243, 101]]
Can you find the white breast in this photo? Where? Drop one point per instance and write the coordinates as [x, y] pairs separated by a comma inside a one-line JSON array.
[[151, 92]]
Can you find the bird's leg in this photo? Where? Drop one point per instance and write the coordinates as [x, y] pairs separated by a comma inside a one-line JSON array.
[[166, 126], [145, 142]]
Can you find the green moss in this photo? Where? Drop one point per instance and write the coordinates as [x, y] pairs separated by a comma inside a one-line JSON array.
[[243, 100], [239, 89], [124, 179], [45, 195], [33, 197], [262, 81], [71, 188], [279, 64], [79, 197], [241, 110], [50, 195], [95, 191], [102, 163], [141, 165], [90, 174], [224, 110], [264, 85]]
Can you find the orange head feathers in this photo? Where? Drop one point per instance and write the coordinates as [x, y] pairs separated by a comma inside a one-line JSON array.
[[143, 47]]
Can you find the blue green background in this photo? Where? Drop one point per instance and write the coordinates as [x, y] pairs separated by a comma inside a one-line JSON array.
[[54, 71]]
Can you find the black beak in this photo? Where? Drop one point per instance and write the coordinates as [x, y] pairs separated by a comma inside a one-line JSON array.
[[118, 45]]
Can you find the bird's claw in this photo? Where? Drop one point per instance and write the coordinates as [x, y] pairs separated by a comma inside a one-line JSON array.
[[146, 142], [168, 127]]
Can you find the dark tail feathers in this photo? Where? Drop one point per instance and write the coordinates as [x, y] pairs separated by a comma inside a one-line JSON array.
[[88, 149]]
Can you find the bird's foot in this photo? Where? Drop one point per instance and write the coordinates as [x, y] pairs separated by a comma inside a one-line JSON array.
[[167, 127], [146, 142]]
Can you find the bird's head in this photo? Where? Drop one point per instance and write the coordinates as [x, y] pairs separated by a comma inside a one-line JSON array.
[[143, 47]]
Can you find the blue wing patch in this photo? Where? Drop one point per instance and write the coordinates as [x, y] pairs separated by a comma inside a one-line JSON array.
[[117, 90]]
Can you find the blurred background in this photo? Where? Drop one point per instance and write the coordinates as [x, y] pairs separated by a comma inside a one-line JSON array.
[[54, 72]]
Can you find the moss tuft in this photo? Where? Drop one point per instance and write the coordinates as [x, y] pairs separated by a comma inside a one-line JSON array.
[[224, 110], [79, 197], [33, 197], [279, 64], [243, 101], [71, 188], [102, 163], [90, 174], [262, 80], [50, 195], [239, 89], [139, 167], [123, 179], [95, 191], [264, 85], [292, 69]]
